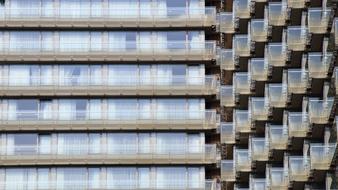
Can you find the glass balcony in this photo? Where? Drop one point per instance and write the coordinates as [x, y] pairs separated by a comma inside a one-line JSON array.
[[80, 120], [277, 178], [299, 168], [242, 121], [242, 8], [319, 64], [298, 80], [322, 155], [320, 110], [227, 22], [336, 31], [226, 59], [277, 54], [242, 83], [297, 38], [318, 20], [227, 96], [336, 79], [259, 30], [126, 51], [227, 130], [228, 172], [239, 187], [242, 45], [278, 95], [278, 136], [296, 4], [242, 160], [298, 123], [259, 108], [112, 85], [107, 153], [259, 149], [258, 69], [277, 13], [257, 183], [108, 16]]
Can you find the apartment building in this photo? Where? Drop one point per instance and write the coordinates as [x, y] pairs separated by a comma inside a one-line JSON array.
[[168, 94]]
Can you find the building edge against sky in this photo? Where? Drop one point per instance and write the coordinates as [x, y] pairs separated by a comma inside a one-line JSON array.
[[168, 94]]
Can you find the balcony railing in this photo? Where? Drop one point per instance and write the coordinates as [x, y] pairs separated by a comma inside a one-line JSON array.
[[298, 123], [278, 95], [83, 84], [242, 121], [242, 45], [296, 4], [242, 8], [259, 30], [318, 20], [226, 59], [242, 160], [297, 38], [257, 183], [336, 31], [228, 172], [277, 178], [336, 79], [319, 64], [259, 108], [127, 51], [227, 96], [298, 80], [299, 168], [108, 17], [258, 69], [277, 13], [322, 155], [320, 110], [227, 22], [117, 120], [105, 153], [259, 149], [278, 136], [242, 83], [227, 130], [277, 54]]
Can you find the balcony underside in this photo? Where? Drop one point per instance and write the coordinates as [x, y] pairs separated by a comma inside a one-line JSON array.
[[107, 125]]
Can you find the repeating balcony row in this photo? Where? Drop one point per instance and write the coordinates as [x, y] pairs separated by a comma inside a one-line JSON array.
[[296, 168]]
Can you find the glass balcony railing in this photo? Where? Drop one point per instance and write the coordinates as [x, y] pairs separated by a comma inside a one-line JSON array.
[[226, 59], [227, 96], [278, 95], [259, 108], [336, 31], [318, 20], [107, 153], [298, 123], [108, 16], [242, 8], [242, 45], [259, 149], [298, 80], [322, 155], [278, 136], [336, 79], [242, 160], [227, 130], [239, 187], [115, 120], [299, 168], [296, 4], [84, 84], [277, 13], [242, 83], [227, 22], [242, 121], [130, 50], [257, 183], [319, 64], [258, 69], [297, 38], [277, 54], [259, 30], [320, 110], [228, 172], [277, 178]]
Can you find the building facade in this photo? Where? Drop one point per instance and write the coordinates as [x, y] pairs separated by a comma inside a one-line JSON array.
[[168, 94]]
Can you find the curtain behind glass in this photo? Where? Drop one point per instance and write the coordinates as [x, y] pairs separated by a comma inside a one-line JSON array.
[[122, 178]]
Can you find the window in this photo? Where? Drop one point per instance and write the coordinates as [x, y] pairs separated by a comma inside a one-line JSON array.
[[27, 109], [179, 72], [176, 7], [25, 143], [176, 40]]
